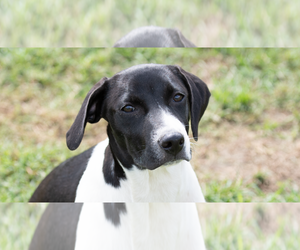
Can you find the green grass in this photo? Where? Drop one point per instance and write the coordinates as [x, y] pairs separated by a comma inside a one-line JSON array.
[[101, 23], [18, 222], [246, 226], [237, 191], [42, 89], [23, 167]]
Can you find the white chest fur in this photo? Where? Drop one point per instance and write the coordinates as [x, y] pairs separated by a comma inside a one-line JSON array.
[[173, 183], [143, 226]]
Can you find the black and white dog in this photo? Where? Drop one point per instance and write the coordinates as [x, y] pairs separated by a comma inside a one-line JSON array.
[[146, 156], [153, 36]]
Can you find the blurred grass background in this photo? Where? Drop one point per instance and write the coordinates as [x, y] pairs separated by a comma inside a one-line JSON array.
[[224, 226], [17, 224], [250, 226], [28, 23], [249, 144]]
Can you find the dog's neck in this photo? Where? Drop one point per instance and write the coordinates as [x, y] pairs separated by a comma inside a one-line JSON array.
[[165, 183], [119, 154], [168, 183], [113, 159]]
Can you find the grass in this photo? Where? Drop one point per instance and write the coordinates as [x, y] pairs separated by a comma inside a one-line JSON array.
[[224, 226], [18, 222], [23, 167], [101, 23], [249, 226], [42, 89], [237, 191]]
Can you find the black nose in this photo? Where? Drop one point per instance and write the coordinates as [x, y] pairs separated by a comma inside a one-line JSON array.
[[172, 143]]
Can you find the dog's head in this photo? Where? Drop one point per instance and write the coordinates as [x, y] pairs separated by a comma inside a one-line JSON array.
[[148, 108], [153, 36]]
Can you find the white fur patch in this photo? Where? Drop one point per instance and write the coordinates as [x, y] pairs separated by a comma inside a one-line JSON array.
[[144, 226], [172, 183]]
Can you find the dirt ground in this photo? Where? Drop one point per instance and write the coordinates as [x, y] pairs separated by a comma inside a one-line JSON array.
[[234, 151]]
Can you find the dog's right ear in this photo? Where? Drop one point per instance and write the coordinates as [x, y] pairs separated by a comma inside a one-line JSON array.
[[90, 111]]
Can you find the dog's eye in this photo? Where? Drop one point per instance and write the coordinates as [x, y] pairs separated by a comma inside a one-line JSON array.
[[128, 108], [178, 97]]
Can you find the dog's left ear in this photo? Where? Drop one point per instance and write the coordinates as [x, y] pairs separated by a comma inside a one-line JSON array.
[[90, 111], [199, 97]]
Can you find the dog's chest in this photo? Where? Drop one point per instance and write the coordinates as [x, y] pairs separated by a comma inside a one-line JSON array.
[[165, 184], [92, 186], [139, 226]]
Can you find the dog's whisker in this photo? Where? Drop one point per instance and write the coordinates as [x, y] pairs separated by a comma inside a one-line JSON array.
[[140, 150]]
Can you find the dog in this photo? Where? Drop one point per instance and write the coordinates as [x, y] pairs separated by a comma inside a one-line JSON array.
[[143, 226], [146, 155], [152, 36]]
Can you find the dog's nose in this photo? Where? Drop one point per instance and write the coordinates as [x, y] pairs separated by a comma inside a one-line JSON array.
[[172, 143]]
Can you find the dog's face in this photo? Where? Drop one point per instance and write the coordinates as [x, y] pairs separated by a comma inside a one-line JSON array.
[[148, 109], [148, 112]]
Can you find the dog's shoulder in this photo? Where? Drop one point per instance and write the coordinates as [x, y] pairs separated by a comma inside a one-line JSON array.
[[61, 184]]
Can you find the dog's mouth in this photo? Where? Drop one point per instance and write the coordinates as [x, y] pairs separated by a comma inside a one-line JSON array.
[[154, 156], [163, 163], [171, 163]]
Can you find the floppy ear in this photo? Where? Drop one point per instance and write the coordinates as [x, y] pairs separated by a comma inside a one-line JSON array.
[[90, 111], [199, 97]]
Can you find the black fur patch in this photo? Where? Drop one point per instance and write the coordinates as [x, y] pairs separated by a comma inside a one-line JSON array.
[[113, 212], [112, 170], [57, 227]]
